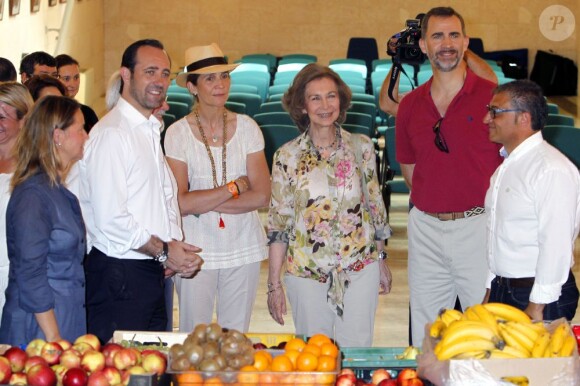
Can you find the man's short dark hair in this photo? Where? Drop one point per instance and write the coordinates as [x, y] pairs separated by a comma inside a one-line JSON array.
[[65, 60], [129, 59], [527, 96], [36, 58], [7, 71], [440, 12]]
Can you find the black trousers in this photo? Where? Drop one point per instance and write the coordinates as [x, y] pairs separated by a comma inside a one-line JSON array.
[[123, 294]]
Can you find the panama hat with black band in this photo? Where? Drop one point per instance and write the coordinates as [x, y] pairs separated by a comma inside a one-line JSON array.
[[203, 60]]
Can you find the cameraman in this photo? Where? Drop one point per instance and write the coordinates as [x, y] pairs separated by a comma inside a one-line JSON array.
[[447, 160], [389, 106]]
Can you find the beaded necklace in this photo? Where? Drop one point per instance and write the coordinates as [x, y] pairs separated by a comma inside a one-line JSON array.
[[221, 223]]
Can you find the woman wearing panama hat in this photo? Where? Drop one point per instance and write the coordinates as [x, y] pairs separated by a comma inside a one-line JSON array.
[[217, 157]]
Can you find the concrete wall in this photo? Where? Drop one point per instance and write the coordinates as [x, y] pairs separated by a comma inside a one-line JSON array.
[[81, 37], [314, 26]]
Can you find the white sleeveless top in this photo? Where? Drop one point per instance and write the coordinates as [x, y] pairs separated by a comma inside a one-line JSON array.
[[243, 240]]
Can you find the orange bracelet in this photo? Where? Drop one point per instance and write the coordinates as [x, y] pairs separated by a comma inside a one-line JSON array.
[[233, 189]]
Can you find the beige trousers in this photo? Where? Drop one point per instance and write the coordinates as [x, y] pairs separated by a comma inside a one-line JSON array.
[[230, 291], [312, 314]]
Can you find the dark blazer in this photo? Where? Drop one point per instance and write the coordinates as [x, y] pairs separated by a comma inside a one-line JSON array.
[[46, 245]]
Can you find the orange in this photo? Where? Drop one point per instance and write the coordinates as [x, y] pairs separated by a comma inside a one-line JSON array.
[[248, 374], [326, 363], [281, 363], [329, 349], [295, 344], [311, 348], [319, 339], [262, 360], [189, 378], [292, 354], [306, 361]]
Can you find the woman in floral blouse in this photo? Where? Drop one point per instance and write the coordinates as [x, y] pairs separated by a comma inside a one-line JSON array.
[[327, 219]]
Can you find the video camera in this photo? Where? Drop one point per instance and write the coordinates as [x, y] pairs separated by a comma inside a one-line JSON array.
[[404, 45]]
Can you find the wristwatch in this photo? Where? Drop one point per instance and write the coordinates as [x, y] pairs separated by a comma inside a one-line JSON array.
[[161, 257], [383, 255]]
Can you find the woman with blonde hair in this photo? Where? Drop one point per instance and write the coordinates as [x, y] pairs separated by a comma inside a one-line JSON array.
[[15, 103], [45, 230]]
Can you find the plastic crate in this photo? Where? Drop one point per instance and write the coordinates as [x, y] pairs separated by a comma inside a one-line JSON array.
[[270, 340], [364, 360]]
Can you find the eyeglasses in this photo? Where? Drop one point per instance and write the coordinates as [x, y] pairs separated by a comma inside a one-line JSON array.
[[439, 140], [494, 111]]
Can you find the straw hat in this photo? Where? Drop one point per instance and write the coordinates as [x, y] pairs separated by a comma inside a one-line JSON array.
[[203, 60]]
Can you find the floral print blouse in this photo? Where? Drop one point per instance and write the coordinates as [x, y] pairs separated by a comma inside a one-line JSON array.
[[319, 208]]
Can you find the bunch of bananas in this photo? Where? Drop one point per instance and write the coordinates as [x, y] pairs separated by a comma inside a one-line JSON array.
[[410, 352], [496, 330]]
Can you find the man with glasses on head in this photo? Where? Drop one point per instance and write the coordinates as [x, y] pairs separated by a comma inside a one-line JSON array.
[[447, 160], [534, 209]]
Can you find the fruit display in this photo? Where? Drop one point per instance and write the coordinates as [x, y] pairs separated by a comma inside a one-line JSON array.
[[81, 363], [380, 377], [212, 355], [496, 330]]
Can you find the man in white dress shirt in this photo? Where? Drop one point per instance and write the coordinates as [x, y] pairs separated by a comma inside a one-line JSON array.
[[126, 195], [534, 209]]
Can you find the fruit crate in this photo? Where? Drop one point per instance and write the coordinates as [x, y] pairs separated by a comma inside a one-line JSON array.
[[247, 378], [364, 360], [151, 338]]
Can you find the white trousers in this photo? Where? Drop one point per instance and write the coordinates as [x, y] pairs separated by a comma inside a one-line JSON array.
[[231, 291], [446, 259], [312, 314]]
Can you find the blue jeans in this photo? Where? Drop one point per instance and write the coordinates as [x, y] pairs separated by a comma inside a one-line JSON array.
[[519, 297]]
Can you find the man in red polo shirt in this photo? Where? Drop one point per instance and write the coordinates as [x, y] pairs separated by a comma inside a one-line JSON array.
[[447, 160]]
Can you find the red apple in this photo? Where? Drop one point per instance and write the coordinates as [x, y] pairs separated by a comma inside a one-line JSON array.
[[361, 382], [379, 375], [70, 358], [82, 347], [126, 358], [406, 374], [17, 358], [75, 377], [98, 378], [388, 382], [109, 350], [346, 380], [41, 375], [91, 340], [113, 375], [17, 379], [92, 361], [5, 370], [411, 382], [154, 362], [33, 361], [65, 344], [346, 370], [34, 347], [51, 352]]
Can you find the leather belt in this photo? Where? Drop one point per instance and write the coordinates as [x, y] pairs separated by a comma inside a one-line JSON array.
[[447, 216], [520, 282]]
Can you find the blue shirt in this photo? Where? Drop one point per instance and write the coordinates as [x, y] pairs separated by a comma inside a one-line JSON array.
[[46, 246]]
